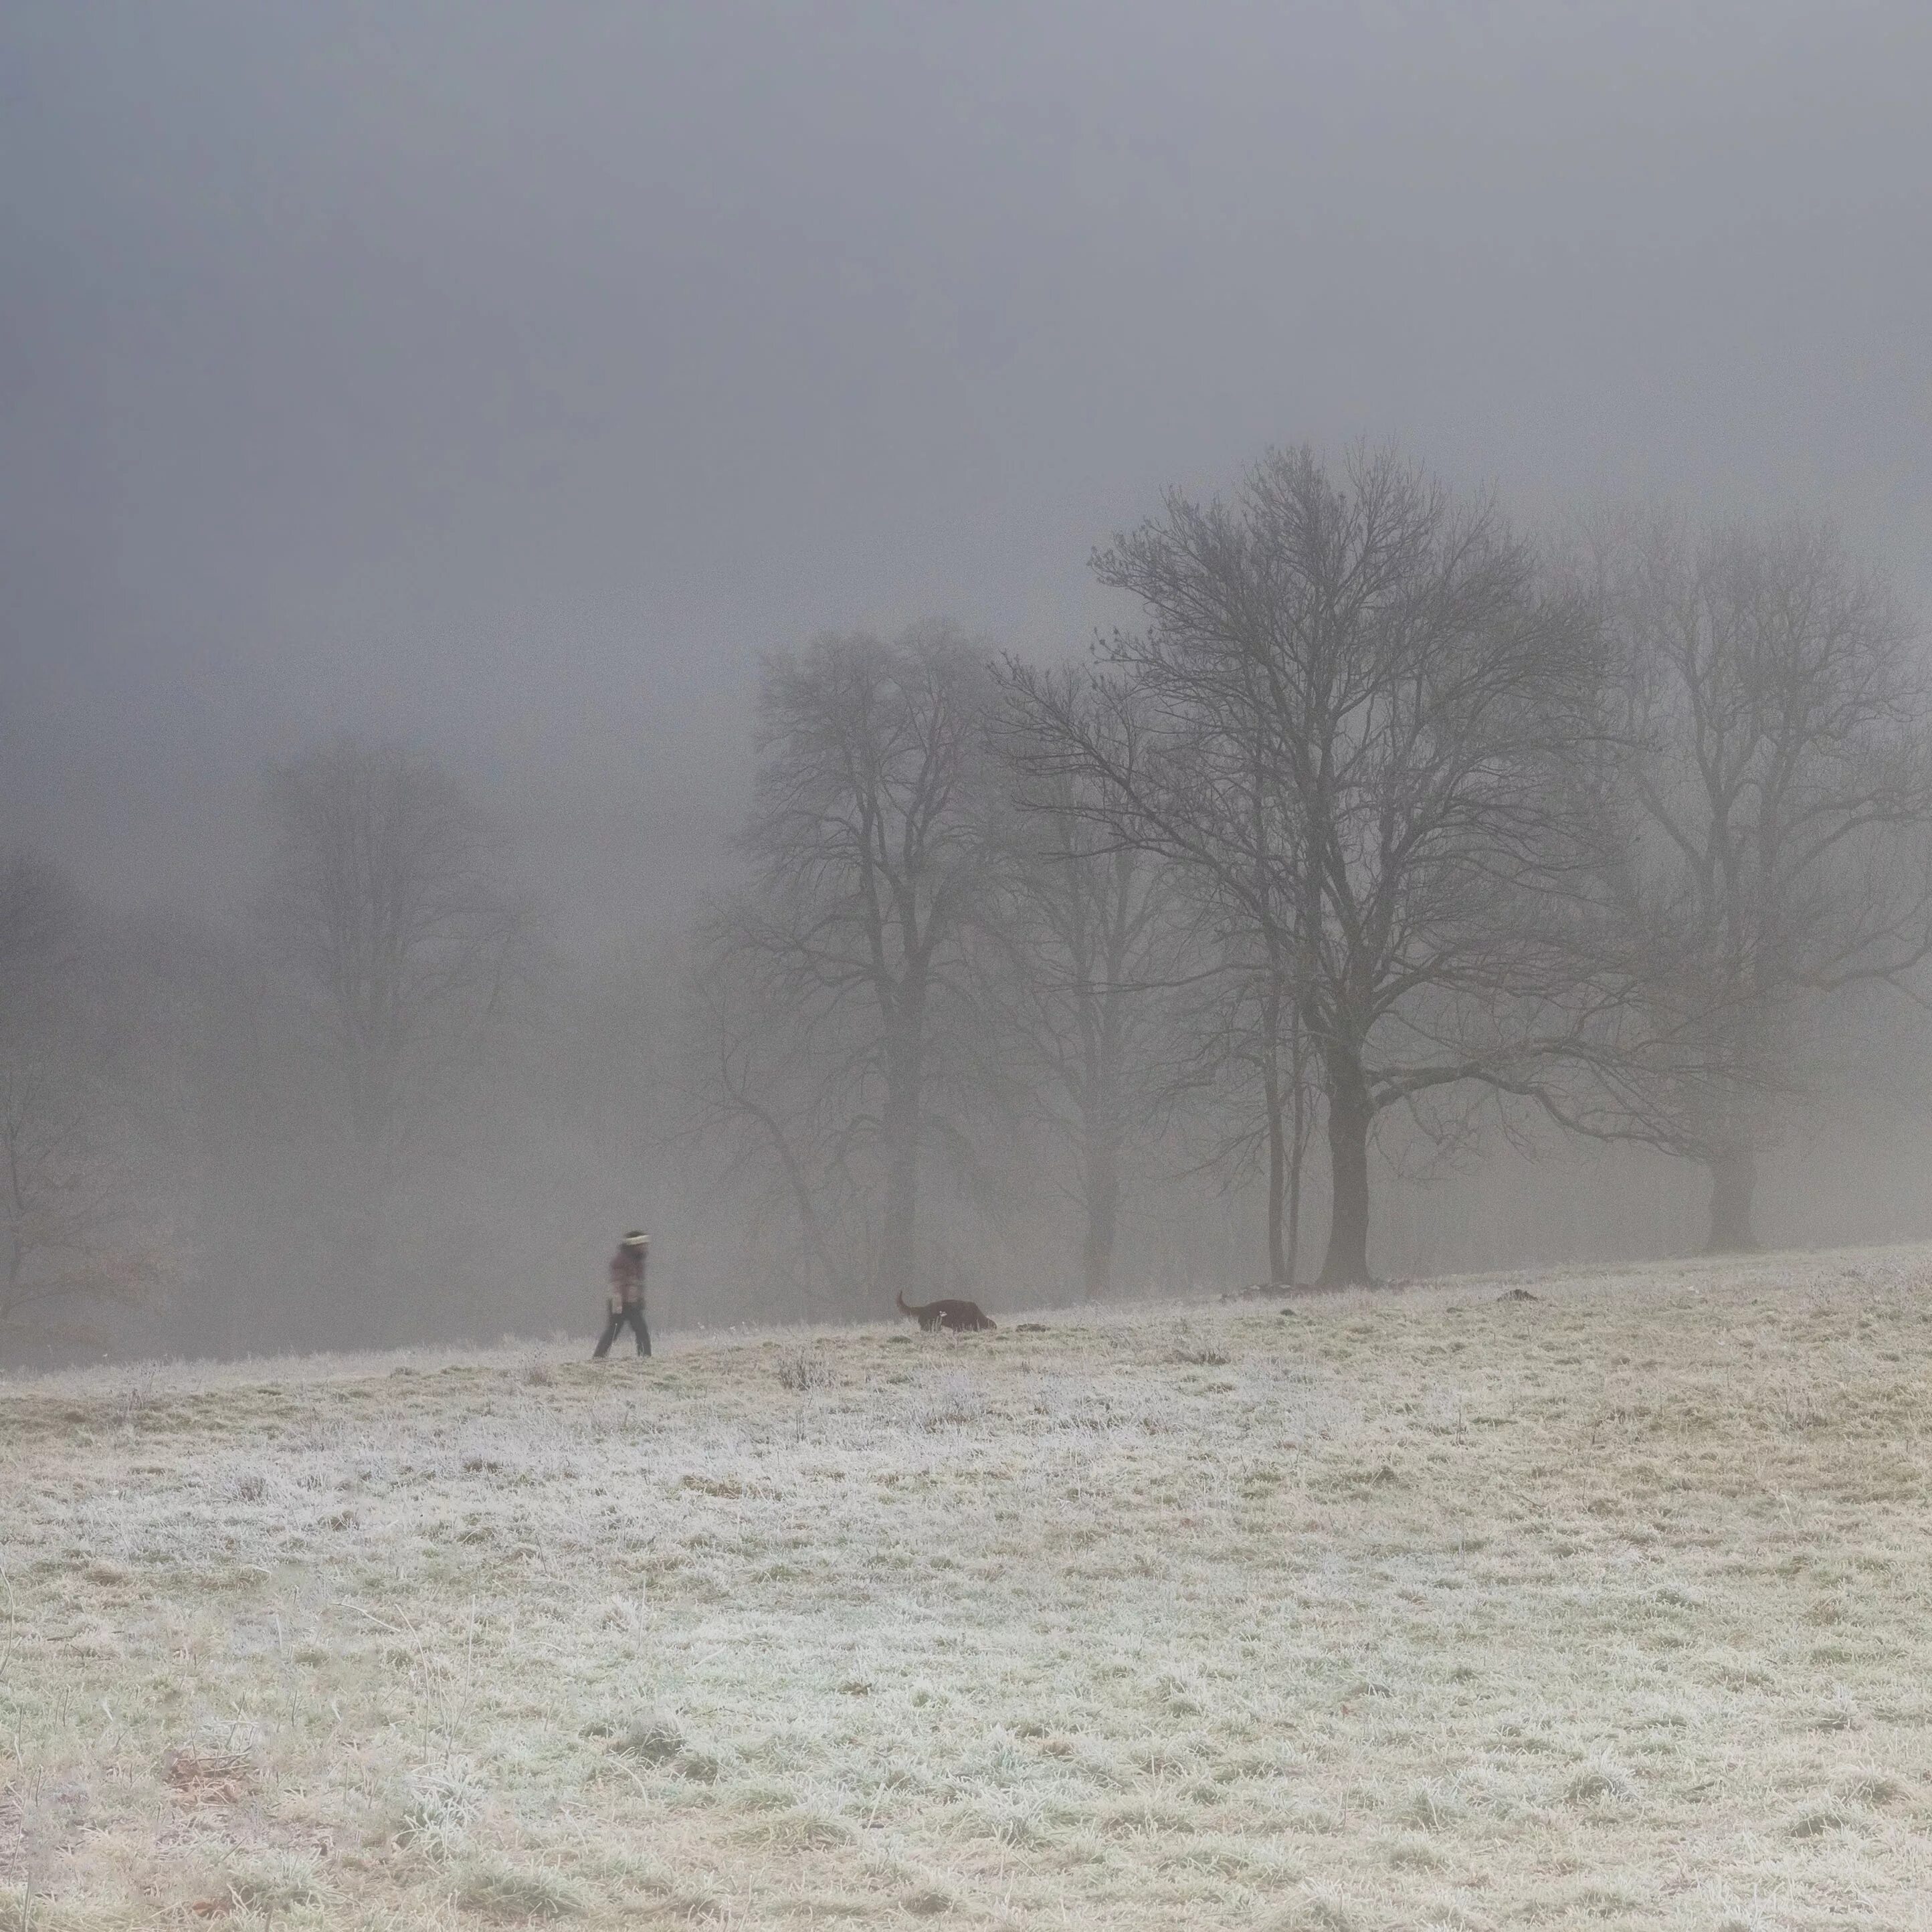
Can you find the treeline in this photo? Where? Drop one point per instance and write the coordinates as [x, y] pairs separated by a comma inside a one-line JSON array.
[[1385, 824], [1384, 838], [381, 1108]]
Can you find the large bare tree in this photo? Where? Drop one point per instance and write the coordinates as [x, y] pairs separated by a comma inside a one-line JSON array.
[[869, 842], [1361, 695], [1772, 720]]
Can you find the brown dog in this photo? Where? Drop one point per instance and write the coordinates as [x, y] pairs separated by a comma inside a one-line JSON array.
[[962, 1316]]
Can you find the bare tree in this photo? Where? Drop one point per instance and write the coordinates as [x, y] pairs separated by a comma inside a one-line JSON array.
[[870, 843], [764, 1101], [73, 1235], [1360, 694], [386, 896], [1087, 938], [1773, 712]]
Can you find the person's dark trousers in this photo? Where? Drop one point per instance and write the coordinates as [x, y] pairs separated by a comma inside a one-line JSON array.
[[634, 1316]]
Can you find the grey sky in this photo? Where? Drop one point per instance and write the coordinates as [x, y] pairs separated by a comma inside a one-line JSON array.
[[506, 378]]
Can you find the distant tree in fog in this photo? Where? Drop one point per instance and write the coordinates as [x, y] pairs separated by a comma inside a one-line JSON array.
[[1086, 936], [764, 1098], [75, 1239], [40, 933], [869, 844], [1773, 710], [387, 897], [1362, 695]]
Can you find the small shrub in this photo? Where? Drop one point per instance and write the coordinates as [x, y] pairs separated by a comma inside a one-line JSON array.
[[802, 1368], [139, 1393]]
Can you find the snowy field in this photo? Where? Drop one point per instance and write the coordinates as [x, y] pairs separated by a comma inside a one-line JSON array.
[[1609, 1607]]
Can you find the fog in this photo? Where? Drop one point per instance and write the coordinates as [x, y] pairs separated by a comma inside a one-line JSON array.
[[503, 385]]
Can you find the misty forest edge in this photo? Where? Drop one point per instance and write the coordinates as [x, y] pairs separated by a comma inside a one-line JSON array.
[[1383, 824]]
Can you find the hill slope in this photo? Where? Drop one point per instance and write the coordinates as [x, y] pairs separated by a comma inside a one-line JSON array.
[[1606, 1607]]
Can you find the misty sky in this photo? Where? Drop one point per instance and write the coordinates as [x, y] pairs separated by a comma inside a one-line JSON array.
[[506, 378]]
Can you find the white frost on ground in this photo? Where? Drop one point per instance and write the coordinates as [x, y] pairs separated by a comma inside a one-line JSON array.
[[1607, 1607]]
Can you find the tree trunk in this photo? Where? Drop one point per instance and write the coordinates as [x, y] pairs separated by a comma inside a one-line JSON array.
[[1280, 1265], [1346, 1264], [896, 1274], [1103, 1201], [901, 1125], [1298, 1156], [1733, 1180]]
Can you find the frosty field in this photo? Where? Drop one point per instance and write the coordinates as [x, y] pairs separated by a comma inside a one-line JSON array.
[[1606, 1607]]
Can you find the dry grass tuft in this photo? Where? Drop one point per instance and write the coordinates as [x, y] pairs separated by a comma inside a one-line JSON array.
[[655, 1740], [207, 1774], [804, 1368], [516, 1895]]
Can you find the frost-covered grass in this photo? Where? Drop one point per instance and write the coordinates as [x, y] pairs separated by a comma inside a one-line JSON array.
[[1607, 1607]]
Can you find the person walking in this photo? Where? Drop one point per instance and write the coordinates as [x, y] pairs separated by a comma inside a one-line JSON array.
[[627, 1294]]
